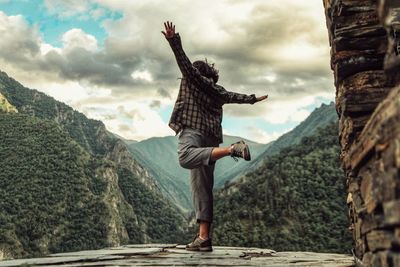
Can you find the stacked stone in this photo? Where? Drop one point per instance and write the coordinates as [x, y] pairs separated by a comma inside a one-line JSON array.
[[368, 104], [389, 13]]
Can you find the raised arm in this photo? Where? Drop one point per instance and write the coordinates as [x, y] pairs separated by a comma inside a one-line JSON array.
[[204, 83], [184, 64], [235, 98]]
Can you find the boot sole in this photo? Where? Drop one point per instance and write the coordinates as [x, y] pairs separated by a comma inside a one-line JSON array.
[[204, 249]]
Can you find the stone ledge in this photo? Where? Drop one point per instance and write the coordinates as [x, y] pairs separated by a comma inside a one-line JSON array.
[[175, 255]]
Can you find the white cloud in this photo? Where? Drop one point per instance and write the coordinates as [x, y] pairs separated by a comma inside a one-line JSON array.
[[67, 8], [270, 77], [261, 136], [285, 111], [45, 48], [276, 40], [19, 40], [78, 38], [269, 49], [68, 92], [131, 119], [144, 75]]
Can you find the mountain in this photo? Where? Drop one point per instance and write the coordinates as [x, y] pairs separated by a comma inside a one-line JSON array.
[[88, 133], [295, 200], [67, 184], [226, 168], [159, 155], [320, 117]]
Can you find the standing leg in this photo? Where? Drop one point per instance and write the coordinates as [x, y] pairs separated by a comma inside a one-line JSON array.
[[204, 230], [202, 182]]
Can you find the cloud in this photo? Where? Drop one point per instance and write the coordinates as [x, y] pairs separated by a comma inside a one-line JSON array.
[[20, 42], [262, 136], [77, 38], [277, 41], [269, 49], [67, 8], [291, 109], [136, 123], [142, 75], [78, 60], [163, 93], [155, 104]]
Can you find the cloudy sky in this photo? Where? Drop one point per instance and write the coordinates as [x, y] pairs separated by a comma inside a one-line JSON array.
[[109, 60]]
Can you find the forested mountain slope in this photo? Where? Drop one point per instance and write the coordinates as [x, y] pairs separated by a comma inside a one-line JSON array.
[[294, 201], [320, 117], [62, 193]]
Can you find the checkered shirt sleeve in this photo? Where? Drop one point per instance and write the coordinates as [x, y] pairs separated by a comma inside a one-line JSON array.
[[203, 83]]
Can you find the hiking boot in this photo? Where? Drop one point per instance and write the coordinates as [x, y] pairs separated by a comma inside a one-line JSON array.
[[199, 244], [240, 150]]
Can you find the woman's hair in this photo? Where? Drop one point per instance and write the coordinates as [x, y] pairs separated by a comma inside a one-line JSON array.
[[206, 69]]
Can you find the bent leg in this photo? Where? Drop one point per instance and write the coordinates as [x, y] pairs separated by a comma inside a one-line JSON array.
[[220, 152], [193, 153], [195, 157]]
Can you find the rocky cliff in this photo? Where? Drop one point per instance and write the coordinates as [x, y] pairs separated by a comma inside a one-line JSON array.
[[364, 38], [5, 106], [91, 134]]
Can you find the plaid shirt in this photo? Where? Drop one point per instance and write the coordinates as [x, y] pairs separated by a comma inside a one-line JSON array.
[[200, 100]]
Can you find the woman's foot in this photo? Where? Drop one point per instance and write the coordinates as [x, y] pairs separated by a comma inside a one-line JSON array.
[[200, 244]]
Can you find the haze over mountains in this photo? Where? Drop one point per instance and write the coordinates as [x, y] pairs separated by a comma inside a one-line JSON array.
[[159, 155], [69, 184]]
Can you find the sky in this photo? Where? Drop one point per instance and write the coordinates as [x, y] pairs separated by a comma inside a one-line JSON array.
[[109, 60]]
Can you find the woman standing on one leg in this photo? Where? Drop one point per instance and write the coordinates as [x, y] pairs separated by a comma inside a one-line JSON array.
[[197, 118]]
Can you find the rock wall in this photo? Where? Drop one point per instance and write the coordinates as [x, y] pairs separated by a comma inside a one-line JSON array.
[[364, 38]]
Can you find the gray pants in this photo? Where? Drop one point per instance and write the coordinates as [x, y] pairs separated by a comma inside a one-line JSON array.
[[194, 151]]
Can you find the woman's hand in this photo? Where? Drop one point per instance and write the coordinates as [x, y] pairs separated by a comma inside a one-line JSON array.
[[169, 30], [261, 98]]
